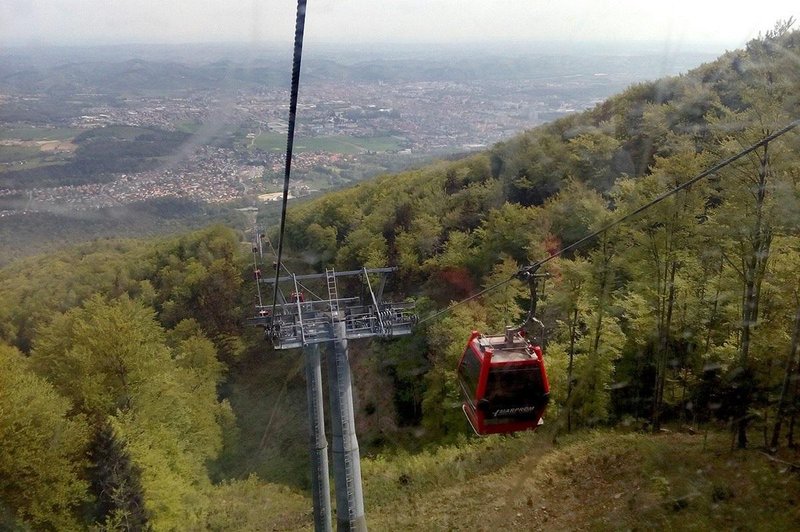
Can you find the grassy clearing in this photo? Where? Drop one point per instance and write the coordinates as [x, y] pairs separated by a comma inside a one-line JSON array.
[[31, 147], [604, 481], [272, 442], [189, 126], [38, 133], [26, 157], [335, 144], [247, 505], [118, 132], [592, 481], [12, 154]]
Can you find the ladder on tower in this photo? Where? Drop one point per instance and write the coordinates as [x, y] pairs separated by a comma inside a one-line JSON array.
[[350, 484], [333, 294]]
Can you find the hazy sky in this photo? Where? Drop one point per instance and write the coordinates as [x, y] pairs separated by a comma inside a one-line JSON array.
[[675, 23]]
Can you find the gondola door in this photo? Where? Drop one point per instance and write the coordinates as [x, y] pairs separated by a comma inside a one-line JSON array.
[[472, 373]]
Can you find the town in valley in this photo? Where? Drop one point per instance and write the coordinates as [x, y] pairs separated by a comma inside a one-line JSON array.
[[87, 134]]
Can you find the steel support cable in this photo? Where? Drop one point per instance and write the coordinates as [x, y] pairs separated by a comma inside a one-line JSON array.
[[465, 300], [298, 52], [528, 270], [665, 195], [258, 281]]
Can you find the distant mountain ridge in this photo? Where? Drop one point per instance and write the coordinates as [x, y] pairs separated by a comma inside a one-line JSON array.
[[19, 72]]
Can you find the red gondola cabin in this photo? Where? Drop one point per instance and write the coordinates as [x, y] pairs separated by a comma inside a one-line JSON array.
[[504, 383]]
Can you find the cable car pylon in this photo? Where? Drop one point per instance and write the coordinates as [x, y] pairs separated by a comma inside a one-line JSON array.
[[306, 323], [318, 445]]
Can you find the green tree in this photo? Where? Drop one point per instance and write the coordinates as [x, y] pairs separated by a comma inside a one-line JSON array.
[[117, 482], [750, 216], [43, 449], [783, 321], [502, 303], [603, 340], [512, 230], [592, 154], [531, 166], [115, 362], [447, 338], [573, 211], [570, 300], [664, 243], [100, 353]]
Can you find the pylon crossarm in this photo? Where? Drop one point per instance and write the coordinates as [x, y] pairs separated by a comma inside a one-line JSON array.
[[348, 273], [298, 323]]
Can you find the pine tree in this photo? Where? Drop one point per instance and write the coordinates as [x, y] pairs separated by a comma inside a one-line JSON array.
[[116, 483]]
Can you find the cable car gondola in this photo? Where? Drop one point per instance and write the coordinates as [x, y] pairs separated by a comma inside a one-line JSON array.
[[503, 382]]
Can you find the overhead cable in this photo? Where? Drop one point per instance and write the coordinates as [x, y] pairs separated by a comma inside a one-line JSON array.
[[298, 52]]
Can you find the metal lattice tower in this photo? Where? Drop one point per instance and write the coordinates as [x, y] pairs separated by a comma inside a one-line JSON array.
[[300, 323]]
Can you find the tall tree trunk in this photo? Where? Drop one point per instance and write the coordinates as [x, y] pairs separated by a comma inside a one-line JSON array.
[[755, 264], [598, 332], [713, 317], [791, 361], [573, 334], [663, 348]]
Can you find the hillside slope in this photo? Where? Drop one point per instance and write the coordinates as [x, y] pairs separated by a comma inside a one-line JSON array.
[[686, 313], [593, 481], [685, 310]]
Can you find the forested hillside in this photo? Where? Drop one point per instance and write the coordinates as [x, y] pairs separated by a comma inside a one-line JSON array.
[[125, 347], [132, 395], [687, 312]]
